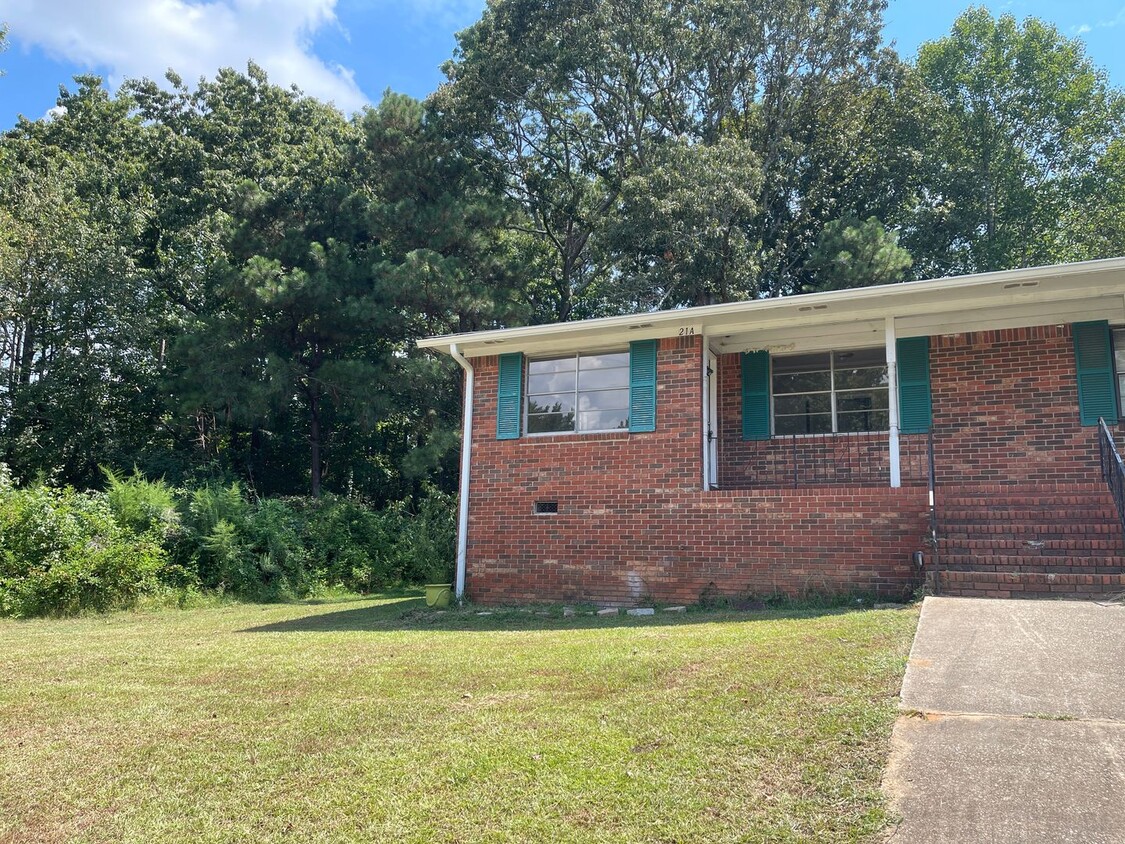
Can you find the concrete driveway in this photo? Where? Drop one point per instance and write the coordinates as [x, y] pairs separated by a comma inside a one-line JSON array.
[[1013, 726]]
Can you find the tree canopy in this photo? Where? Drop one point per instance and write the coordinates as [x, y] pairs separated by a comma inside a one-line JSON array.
[[227, 280]]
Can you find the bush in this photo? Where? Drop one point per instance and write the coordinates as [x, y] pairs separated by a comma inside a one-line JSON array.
[[63, 552], [142, 506], [428, 539], [354, 546]]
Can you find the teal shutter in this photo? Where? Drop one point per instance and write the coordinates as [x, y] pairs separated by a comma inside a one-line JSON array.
[[915, 411], [642, 385], [1093, 359], [509, 397], [756, 395]]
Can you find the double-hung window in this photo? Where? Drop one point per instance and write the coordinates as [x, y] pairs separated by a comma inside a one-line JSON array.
[[578, 393], [830, 392]]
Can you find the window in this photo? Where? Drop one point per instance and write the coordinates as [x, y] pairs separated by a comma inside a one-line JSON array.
[[830, 392], [578, 393], [1119, 365]]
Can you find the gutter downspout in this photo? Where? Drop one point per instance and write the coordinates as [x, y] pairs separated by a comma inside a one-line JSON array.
[[463, 491]]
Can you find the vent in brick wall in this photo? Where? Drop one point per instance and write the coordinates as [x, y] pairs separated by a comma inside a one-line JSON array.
[[546, 507]]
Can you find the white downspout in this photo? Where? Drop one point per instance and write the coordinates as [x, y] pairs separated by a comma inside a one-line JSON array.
[[466, 455]]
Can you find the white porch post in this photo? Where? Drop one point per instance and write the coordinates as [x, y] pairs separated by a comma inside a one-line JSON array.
[[892, 403], [704, 392]]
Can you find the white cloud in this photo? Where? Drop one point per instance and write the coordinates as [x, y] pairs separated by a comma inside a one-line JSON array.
[[1115, 21], [135, 38], [1082, 29]]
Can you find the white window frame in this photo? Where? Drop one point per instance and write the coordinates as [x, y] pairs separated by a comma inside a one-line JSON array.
[[1117, 341], [576, 356], [831, 392]]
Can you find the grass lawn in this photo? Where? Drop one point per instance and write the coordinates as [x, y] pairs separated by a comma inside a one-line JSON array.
[[371, 720]]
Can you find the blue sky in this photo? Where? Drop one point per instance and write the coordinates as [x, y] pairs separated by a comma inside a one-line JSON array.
[[350, 51]]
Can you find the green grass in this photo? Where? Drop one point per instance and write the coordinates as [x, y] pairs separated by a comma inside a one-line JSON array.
[[371, 720]]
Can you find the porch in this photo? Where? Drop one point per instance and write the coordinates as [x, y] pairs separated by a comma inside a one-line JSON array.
[[855, 459]]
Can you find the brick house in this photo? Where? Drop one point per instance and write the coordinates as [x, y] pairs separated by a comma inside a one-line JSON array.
[[858, 440]]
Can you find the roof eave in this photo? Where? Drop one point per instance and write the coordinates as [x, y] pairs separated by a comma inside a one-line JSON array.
[[945, 294]]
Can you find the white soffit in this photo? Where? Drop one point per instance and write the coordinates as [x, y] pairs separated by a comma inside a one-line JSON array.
[[1010, 299]]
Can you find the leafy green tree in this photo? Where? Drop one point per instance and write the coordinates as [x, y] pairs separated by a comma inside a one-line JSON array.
[[79, 324], [442, 267], [1027, 128], [856, 253], [578, 107], [286, 320], [566, 102], [305, 253], [680, 234]]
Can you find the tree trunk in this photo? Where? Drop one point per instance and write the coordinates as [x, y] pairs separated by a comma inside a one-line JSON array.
[[314, 441], [27, 354]]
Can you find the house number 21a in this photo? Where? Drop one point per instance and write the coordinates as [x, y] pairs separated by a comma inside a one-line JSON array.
[[687, 331]]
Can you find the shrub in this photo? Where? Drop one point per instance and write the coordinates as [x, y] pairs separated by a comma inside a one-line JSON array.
[[429, 538], [275, 538], [212, 544], [142, 506], [352, 545], [62, 552]]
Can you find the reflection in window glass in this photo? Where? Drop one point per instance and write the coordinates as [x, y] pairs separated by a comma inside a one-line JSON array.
[[1119, 365], [830, 392], [578, 393]]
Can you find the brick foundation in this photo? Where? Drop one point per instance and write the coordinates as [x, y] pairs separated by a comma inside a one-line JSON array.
[[675, 547]]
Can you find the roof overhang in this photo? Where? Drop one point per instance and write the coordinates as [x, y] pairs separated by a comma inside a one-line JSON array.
[[1061, 293]]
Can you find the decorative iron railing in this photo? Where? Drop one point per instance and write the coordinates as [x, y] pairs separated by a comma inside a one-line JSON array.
[[935, 561], [855, 459], [1113, 470]]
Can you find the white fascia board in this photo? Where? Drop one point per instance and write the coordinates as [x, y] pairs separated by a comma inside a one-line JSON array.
[[1059, 312], [817, 338], [998, 290]]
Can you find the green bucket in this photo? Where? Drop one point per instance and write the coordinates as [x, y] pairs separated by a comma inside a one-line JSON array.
[[438, 594]]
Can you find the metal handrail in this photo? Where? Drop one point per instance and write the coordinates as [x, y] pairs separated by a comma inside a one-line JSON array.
[[1113, 470], [837, 459], [933, 512]]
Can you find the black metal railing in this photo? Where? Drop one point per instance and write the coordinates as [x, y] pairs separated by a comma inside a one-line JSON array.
[[1113, 470], [855, 459], [935, 561]]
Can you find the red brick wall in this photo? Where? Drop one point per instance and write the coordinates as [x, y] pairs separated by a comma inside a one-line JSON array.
[[633, 523], [818, 459], [1006, 408], [1005, 411]]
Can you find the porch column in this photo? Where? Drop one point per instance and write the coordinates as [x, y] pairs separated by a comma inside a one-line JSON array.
[[892, 403], [705, 420]]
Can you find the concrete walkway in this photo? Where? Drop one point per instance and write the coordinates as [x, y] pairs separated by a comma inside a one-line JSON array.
[[1013, 726]]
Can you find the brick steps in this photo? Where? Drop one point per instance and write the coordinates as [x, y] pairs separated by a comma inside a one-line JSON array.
[[1105, 529], [978, 584], [1064, 565], [1022, 515], [1077, 546], [1008, 542]]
